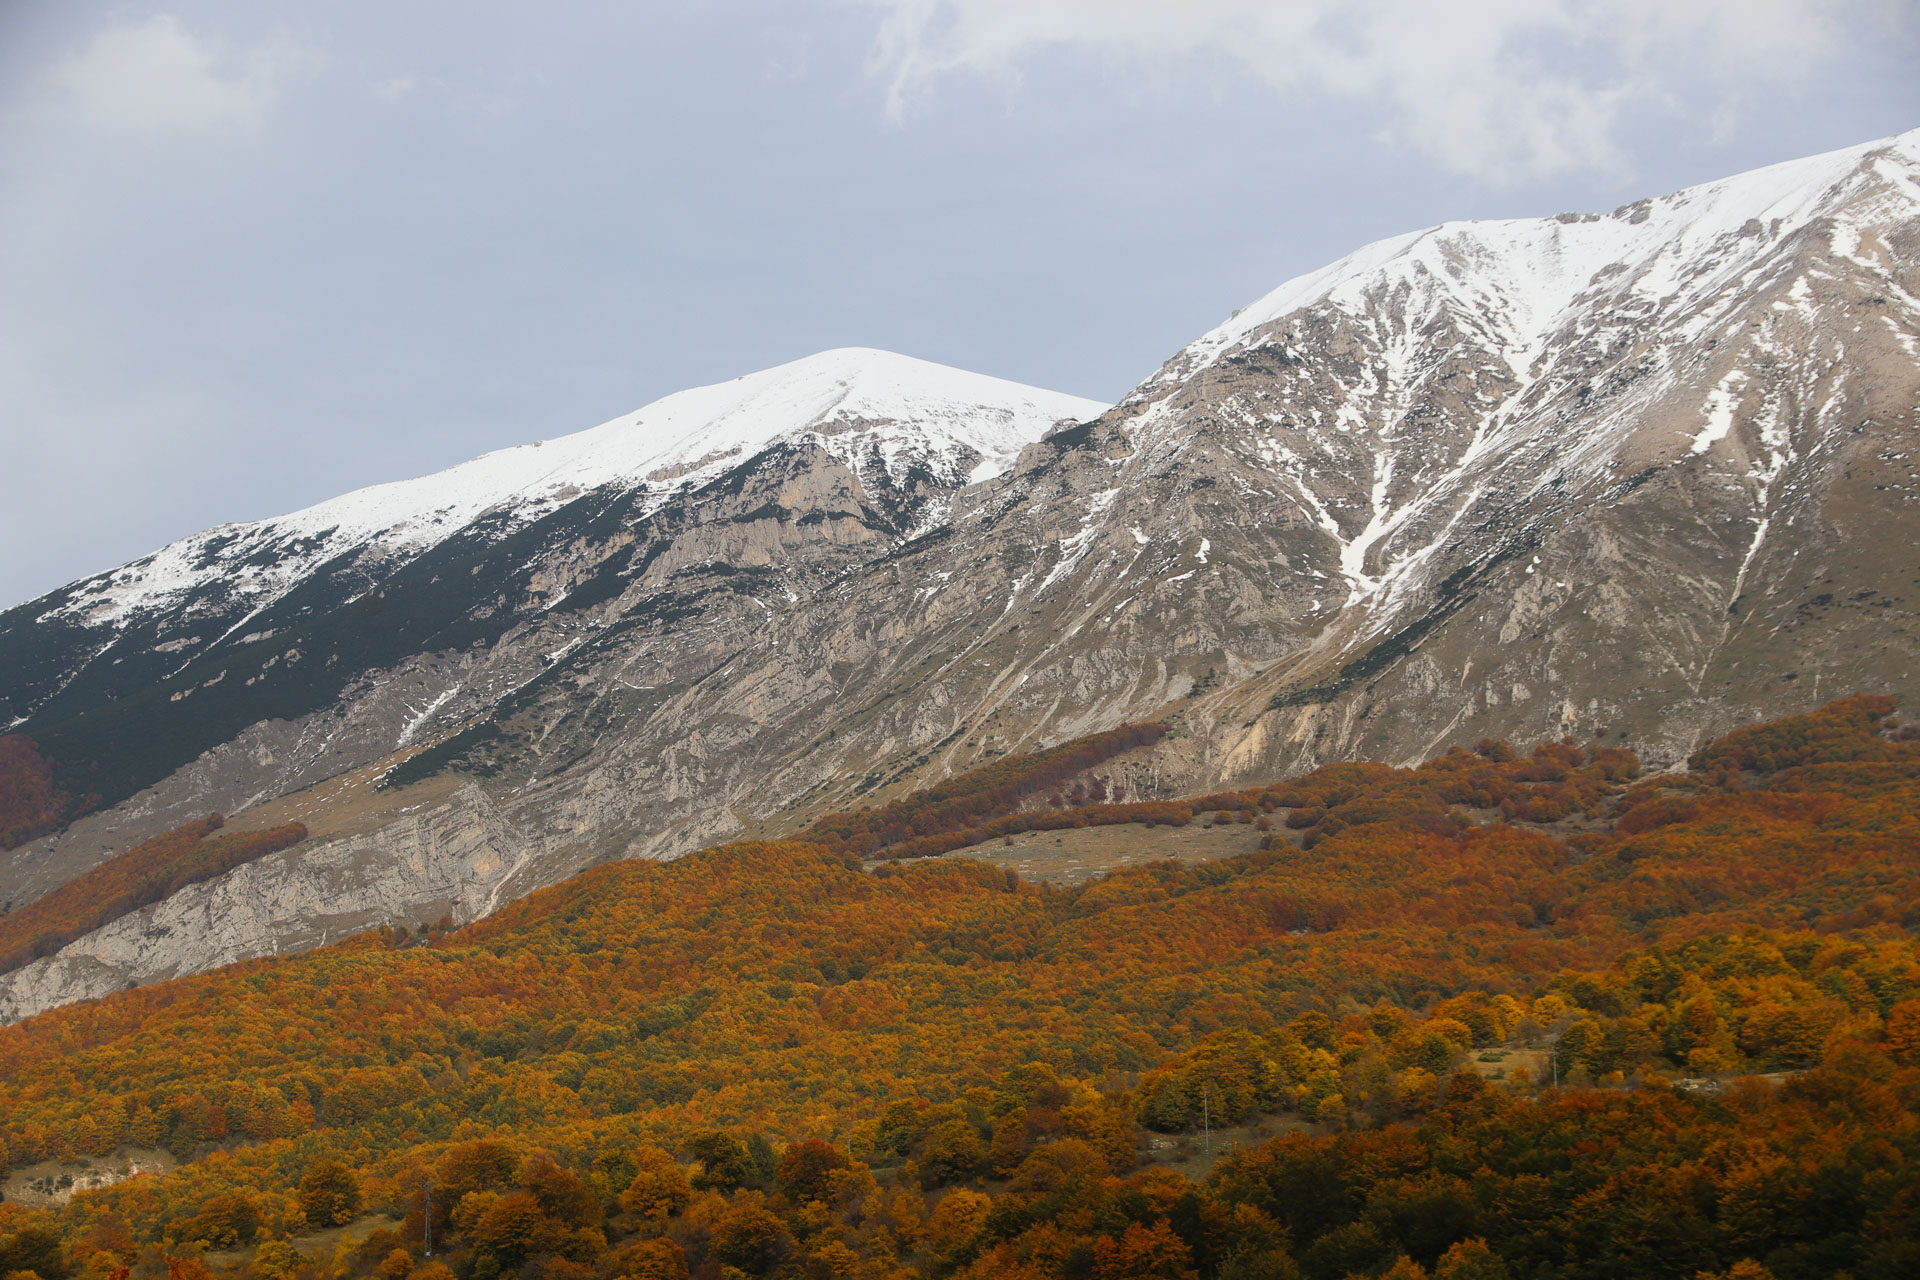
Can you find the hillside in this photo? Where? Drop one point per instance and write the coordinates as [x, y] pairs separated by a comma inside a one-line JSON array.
[[983, 1062], [1628, 477]]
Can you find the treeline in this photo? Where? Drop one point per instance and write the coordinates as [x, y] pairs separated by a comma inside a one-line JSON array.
[[32, 803], [147, 873], [1554, 782], [965, 802], [1844, 731], [1557, 781]]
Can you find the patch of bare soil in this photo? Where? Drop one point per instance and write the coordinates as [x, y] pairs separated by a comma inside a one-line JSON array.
[[318, 1245], [1499, 1064], [348, 804]]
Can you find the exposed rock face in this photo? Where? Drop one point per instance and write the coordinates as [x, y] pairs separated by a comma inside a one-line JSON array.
[[1649, 473], [460, 860], [1647, 481]]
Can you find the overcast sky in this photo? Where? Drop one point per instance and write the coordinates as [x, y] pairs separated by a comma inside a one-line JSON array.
[[254, 254]]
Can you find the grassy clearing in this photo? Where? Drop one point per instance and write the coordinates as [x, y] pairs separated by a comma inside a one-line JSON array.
[[1077, 856]]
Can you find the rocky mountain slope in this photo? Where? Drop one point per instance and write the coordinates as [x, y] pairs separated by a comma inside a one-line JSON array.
[[1647, 474], [858, 435]]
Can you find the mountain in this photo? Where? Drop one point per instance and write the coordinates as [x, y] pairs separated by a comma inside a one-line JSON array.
[[363, 627], [1631, 476], [1633, 472], [905, 428], [903, 432]]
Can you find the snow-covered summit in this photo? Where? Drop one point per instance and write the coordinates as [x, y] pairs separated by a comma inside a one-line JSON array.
[[901, 403], [1417, 395], [1526, 275], [858, 403]]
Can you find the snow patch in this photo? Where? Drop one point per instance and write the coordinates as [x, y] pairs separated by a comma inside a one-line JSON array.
[[1907, 341], [1075, 547], [1720, 405], [1526, 275], [422, 716]]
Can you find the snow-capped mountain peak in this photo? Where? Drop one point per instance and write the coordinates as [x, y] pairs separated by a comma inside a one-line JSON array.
[[1429, 385], [858, 403], [1528, 273]]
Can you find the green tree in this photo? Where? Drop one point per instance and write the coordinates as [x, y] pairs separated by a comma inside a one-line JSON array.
[[224, 1222], [36, 1249], [722, 1159], [278, 1260], [749, 1238], [329, 1194], [762, 1158], [953, 1151], [1009, 1146]]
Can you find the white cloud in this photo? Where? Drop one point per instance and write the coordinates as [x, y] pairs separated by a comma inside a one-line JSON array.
[[1496, 89], [154, 77]]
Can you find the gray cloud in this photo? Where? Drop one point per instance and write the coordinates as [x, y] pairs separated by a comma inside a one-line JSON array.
[[154, 76], [1503, 90]]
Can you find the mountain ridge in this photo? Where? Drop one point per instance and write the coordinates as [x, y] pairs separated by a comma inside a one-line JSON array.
[[909, 407], [1783, 192]]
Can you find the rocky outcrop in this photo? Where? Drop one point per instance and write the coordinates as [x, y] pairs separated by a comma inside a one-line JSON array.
[[458, 860]]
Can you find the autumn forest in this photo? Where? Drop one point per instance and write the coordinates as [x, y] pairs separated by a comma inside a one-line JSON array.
[[1517, 1012]]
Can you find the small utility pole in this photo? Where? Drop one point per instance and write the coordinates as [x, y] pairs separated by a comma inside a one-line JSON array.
[[428, 1217]]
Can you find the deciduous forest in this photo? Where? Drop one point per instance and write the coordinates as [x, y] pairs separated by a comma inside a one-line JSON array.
[[1512, 1013]]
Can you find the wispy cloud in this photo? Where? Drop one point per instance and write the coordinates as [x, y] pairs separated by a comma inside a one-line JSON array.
[[156, 77], [1502, 90]]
